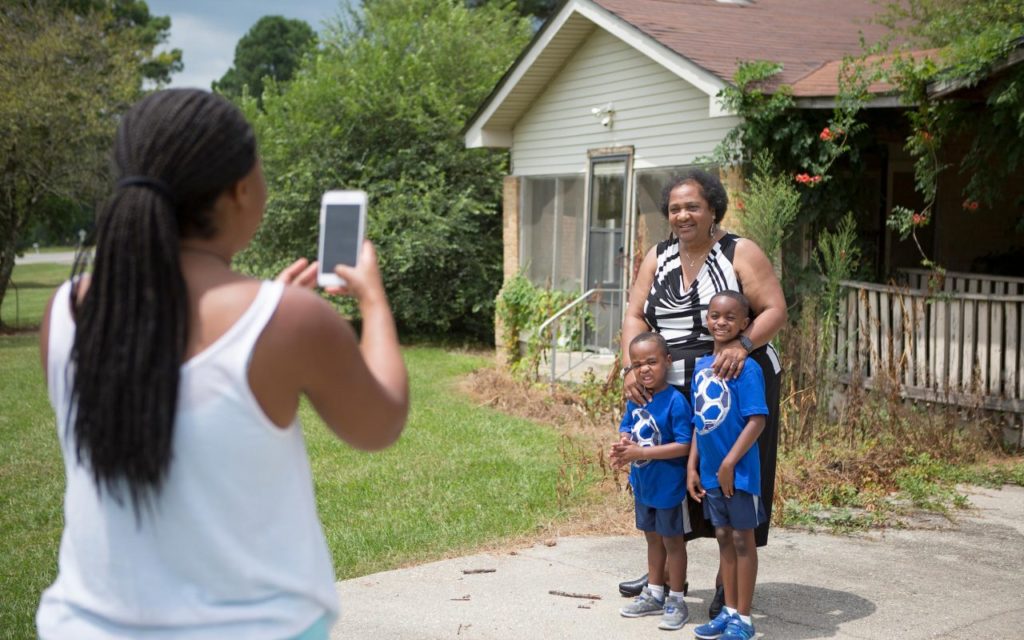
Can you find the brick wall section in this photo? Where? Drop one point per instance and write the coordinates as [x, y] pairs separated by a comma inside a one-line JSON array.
[[511, 189]]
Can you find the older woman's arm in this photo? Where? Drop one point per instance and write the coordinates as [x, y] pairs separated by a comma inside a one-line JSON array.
[[634, 323], [764, 292]]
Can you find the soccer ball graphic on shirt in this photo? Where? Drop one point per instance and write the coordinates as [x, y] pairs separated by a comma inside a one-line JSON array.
[[645, 432], [711, 400]]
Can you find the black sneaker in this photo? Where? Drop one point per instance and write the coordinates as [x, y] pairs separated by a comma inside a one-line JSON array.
[[633, 588], [717, 602]]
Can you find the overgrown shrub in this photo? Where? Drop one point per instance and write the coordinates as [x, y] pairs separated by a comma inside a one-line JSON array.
[[522, 308], [381, 107]]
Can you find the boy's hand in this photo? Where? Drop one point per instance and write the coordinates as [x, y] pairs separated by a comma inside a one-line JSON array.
[[615, 453], [629, 451], [693, 485], [726, 476]]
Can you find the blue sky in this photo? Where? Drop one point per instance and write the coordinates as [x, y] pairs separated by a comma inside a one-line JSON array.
[[207, 31]]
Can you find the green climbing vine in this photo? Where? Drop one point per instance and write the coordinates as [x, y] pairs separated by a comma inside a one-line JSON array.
[[522, 308]]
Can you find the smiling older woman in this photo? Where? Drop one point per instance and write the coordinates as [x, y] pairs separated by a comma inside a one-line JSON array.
[[670, 295]]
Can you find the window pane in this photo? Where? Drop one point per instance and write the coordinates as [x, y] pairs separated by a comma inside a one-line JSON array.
[[538, 219], [569, 250], [652, 227], [608, 194]]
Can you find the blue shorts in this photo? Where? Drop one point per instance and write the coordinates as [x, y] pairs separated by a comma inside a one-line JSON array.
[[668, 523], [742, 511]]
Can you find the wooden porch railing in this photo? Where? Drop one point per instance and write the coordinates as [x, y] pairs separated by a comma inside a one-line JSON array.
[[962, 348], [959, 282]]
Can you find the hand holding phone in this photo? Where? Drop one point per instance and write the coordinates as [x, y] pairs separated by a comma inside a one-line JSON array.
[[342, 227]]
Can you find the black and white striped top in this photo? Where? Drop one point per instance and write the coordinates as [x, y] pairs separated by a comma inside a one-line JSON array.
[[679, 315]]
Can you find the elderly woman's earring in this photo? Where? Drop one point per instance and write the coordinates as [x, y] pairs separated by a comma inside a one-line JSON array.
[[711, 230]]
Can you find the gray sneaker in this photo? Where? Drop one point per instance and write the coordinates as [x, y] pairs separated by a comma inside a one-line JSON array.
[[644, 605], [676, 614]]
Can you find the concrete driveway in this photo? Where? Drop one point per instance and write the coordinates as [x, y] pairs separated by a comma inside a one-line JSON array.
[[953, 580]]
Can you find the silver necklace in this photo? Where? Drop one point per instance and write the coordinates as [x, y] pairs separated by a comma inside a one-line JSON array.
[[702, 255]]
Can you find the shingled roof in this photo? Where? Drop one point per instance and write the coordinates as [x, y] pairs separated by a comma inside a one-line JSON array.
[[701, 41], [804, 35]]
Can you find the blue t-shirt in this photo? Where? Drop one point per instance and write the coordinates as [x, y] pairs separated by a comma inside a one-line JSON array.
[[720, 412], [666, 418]]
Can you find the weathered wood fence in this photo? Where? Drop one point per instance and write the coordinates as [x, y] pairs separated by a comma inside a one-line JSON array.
[[962, 345], [958, 282]]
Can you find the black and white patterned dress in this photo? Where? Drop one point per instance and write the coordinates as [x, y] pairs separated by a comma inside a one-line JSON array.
[[679, 315]]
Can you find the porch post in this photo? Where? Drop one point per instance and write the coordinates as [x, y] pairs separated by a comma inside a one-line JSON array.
[[511, 189]]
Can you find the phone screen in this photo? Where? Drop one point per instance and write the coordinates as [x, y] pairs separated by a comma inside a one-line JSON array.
[[341, 236]]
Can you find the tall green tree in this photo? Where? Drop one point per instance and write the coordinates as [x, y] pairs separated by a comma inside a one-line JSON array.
[[63, 78], [540, 10], [381, 108], [272, 48], [132, 17]]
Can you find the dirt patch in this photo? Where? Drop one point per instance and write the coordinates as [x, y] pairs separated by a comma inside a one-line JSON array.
[[608, 510]]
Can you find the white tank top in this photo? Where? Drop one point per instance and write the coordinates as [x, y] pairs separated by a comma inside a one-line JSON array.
[[233, 547]]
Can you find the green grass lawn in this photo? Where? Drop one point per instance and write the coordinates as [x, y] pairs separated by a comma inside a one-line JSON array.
[[461, 476], [30, 288]]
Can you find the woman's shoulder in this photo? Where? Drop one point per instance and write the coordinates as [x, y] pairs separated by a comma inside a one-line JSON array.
[[302, 310], [744, 248], [668, 245]]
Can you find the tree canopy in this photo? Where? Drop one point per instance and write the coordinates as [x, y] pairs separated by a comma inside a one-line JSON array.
[[272, 48], [67, 69], [538, 9], [132, 17], [381, 107]]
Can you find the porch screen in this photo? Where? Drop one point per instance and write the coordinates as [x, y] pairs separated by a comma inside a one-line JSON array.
[[651, 226], [551, 245]]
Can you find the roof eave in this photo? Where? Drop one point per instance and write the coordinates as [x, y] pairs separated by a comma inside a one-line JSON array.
[[479, 132], [830, 102]]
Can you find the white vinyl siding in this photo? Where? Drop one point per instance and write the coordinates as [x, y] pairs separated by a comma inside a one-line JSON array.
[[662, 116]]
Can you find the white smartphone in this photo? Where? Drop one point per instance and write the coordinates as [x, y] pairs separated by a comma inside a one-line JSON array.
[[342, 226]]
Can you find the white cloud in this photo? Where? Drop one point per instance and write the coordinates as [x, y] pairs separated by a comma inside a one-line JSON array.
[[207, 50]]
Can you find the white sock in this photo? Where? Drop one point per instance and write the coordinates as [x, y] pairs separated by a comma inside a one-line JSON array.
[[729, 610], [675, 594], [657, 590], [746, 619]]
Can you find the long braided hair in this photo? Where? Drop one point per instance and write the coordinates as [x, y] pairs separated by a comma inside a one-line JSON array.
[[176, 151]]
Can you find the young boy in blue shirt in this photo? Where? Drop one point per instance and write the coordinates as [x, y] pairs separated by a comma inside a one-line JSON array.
[[655, 438], [728, 418]]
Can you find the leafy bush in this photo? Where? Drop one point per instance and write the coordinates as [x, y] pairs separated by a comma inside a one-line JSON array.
[[522, 308], [769, 207], [381, 108]]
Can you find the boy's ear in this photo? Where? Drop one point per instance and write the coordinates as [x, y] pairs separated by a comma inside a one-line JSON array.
[[746, 323]]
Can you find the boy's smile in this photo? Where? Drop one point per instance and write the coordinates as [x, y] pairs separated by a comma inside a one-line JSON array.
[[726, 318], [650, 363]]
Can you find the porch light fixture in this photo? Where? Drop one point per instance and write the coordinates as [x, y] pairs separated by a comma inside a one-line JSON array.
[[604, 114]]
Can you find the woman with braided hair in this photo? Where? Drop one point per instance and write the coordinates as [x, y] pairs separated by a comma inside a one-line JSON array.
[[189, 509]]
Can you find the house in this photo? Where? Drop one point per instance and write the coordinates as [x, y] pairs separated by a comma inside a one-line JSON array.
[[613, 96]]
